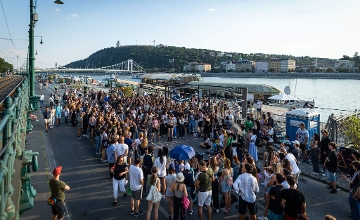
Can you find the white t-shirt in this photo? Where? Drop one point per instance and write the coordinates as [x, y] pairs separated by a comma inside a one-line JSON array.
[[301, 135], [270, 134], [135, 176], [292, 160], [161, 166], [120, 149], [259, 104]]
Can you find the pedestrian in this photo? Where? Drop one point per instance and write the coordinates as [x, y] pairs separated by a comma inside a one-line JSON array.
[[274, 209], [226, 184], [57, 189], [136, 178], [302, 135], [160, 163], [111, 155], [293, 201], [246, 186], [119, 171], [52, 120], [47, 117], [204, 185], [213, 163], [66, 114], [80, 125], [324, 142], [354, 183], [190, 187], [295, 170], [147, 163], [253, 147], [58, 110], [179, 189], [153, 180], [331, 166], [42, 97], [169, 179], [51, 100], [315, 153]]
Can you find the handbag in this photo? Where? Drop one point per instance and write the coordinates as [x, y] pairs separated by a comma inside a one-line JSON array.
[[154, 194], [52, 200], [186, 203], [355, 193]]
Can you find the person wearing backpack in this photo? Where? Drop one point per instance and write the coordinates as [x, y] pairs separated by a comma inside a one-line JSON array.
[[228, 145], [179, 189], [57, 188], [227, 182]]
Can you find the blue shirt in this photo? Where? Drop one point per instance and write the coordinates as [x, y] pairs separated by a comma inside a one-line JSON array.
[[58, 109], [110, 154], [129, 142]]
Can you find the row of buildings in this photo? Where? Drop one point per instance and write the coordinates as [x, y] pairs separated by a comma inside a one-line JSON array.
[[273, 65]]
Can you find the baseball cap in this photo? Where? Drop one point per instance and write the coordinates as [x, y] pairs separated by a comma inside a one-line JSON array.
[[172, 166], [187, 166], [296, 142], [57, 170]]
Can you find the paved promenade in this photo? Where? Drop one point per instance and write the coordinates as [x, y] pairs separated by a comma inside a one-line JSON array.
[[90, 196]]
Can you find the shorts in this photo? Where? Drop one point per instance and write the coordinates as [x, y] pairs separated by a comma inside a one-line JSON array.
[[137, 195], [204, 197], [330, 176], [169, 199], [225, 187], [302, 146], [58, 116], [130, 154], [58, 209], [244, 205], [274, 216], [47, 120]]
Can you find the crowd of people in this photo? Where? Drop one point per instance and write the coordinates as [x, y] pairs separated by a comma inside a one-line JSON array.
[[125, 129]]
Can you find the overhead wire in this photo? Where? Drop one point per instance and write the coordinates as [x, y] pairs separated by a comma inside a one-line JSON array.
[[7, 25]]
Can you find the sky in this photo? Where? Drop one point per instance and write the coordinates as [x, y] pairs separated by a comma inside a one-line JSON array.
[[79, 28]]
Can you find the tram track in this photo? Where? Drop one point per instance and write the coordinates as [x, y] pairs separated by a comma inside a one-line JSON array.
[[8, 84]]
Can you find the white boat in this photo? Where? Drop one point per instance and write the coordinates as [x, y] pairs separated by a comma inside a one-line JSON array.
[[109, 77]]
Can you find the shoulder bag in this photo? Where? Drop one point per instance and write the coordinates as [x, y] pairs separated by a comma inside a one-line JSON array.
[[154, 194]]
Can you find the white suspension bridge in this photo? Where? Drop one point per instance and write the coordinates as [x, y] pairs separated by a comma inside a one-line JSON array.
[[128, 66]]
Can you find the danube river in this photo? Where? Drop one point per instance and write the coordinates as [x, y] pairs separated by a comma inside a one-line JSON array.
[[329, 94]]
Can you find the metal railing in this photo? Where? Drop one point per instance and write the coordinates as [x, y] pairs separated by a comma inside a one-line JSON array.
[[15, 197]]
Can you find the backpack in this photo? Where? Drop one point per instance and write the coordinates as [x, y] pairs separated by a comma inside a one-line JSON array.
[[105, 143], [147, 162], [229, 141], [52, 200]]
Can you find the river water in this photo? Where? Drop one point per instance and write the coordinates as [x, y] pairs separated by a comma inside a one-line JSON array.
[[330, 95]]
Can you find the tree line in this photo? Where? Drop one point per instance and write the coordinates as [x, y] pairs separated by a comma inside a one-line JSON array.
[[5, 66]]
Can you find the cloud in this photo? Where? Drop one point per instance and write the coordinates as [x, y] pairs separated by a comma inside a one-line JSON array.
[[211, 9], [74, 15], [56, 9]]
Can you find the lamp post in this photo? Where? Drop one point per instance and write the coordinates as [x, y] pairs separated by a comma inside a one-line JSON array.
[[33, 99]]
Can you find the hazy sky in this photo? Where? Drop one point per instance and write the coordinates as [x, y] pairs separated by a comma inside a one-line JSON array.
[[75, 30]]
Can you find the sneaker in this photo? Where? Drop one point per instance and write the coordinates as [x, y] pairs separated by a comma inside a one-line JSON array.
[[132, 212], [329, 187], [104, 161], [217, 210], [315, 173], [333, 191], [323, 174], [138, 214], [125, 195], [98, 153], [114, 203], [262, 218], [191, 212]]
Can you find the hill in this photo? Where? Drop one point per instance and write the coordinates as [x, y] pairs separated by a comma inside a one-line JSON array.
[[157, 58]]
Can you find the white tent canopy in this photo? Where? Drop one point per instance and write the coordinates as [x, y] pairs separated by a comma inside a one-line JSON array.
[[284, 97]]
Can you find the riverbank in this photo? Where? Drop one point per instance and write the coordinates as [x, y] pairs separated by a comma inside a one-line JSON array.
[[285, 75]]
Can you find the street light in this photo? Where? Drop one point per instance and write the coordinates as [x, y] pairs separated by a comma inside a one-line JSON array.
[[58, 2]]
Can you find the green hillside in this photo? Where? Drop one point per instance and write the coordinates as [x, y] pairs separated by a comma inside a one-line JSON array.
[[157, 58]]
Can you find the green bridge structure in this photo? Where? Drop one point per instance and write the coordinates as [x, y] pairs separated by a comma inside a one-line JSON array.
[[17, 194]]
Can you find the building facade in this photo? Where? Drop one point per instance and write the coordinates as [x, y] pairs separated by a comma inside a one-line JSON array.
[[197, 67], [244, 65], [262, 66], [275, 65], [287, 65]]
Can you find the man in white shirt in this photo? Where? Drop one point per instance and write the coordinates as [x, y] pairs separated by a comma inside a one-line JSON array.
[[246, 186], [294, 167], [121, 149], [42, 97], [136, 178]]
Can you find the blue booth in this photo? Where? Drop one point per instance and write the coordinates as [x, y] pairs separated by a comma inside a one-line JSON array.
[[308, 116]]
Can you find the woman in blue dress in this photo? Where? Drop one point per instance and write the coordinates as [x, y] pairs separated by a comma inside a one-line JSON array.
[[252, 147]]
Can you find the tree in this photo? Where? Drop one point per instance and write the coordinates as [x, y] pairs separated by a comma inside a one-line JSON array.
[[352, 131], [329, 70]]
